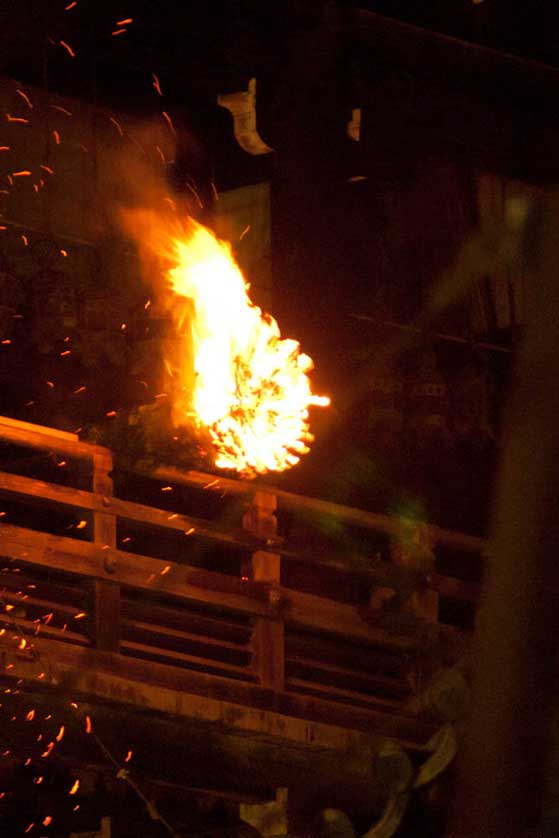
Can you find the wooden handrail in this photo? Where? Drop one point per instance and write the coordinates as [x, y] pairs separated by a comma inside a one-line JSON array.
[[269, 608], [347, 514]]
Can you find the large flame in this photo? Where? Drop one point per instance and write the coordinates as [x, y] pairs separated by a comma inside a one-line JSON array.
[[251, 388]]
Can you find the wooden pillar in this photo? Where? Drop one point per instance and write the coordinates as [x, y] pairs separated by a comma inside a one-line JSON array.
[[105, 595], [268, 634]]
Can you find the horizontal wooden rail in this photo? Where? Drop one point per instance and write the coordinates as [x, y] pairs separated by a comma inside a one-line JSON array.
[[48, 439], [346, 514]]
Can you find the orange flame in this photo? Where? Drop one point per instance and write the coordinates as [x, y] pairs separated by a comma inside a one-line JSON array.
[[251, 390]]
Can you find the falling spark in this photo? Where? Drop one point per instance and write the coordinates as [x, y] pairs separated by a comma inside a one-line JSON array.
[[61, 109], [80, 615], [65, 353], [25, 98], [60, 735], [48, 751], [5, 148], [169, 121], [87, 724], [245, 231], [125, 22], [6, 342], [63, 252], [81, 525], [47, 169], [47, 820], [30, 716], [128, 756], [68, 49], [22, 644], [62, 463], [30, 827], [156, 84], [56, 136], [20, 119], [117, 125], [190, 531], [71, 5], [147, 304], [162, 156], [166, 570], [22, 173], [166, 488], [75, 787], [110, 413], [80, 389], [119, 32]]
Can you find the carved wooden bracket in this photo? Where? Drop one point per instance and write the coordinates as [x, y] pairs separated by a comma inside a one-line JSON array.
[[243, 107]]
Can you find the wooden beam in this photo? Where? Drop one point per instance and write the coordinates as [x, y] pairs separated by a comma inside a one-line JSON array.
[[227, 704], [49, 441], [42, 430], [179, 753], [346, 514]]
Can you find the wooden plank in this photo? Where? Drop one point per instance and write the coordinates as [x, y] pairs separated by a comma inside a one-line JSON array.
[[29, 629], [199, 625], [347, 514], [351, 676], [333, 618], [176, 634], [170, 656], [449, 586], [137, 512], [328, 691], [49, 442], [31, 428], [210, 698], [337, 651], [182, 581], [46, 605]]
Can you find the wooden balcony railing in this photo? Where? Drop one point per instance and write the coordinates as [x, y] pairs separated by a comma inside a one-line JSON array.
[[254, 636]]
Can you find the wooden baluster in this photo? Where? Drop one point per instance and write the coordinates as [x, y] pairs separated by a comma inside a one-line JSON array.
[[268, 634], [105, 595]]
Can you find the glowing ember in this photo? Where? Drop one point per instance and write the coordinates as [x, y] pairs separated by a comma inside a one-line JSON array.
[[251, 389]]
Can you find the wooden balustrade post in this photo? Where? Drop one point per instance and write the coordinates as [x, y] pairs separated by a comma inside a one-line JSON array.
[[268, 634], [105, 594]]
